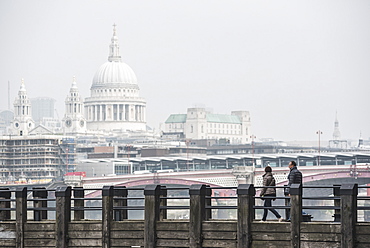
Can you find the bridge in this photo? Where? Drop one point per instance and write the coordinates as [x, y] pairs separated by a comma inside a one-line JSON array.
[[58, 218], [324, 174]]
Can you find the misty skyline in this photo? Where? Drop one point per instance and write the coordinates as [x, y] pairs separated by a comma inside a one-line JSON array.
[[292, 65]]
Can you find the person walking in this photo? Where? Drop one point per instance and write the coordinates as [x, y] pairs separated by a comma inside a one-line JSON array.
[[268, 194], [294, 177]]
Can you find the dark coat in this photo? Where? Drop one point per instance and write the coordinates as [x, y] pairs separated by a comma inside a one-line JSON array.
[[268, 180], [295, 176]]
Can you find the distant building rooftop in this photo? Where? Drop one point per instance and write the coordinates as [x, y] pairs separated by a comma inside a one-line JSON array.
[[176, 118]]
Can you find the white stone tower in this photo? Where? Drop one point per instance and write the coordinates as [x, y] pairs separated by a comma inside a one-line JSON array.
[[196, 123], [245, 119], [74, 121], [23, 121]]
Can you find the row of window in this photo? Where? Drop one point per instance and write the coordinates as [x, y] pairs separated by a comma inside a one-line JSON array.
[[231, 126], [23, 110], [29, 142], [210, 125], [122, 169], [72, 99], [236, 132], [35, 162], [75, 108], [176, 126], [115, 90]]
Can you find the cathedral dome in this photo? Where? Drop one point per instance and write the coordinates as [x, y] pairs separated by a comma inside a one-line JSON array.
[[114, 73], [115, 103]]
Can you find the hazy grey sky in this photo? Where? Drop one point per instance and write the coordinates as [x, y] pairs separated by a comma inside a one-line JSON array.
[[292, 64]]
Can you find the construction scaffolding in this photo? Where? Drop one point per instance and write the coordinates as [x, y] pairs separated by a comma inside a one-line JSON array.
[[25, 159]]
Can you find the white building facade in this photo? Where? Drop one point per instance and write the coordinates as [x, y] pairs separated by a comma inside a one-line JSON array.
[[114, 102], [198, 123]]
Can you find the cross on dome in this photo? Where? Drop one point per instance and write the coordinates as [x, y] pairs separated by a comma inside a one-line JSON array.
[[114, 29]]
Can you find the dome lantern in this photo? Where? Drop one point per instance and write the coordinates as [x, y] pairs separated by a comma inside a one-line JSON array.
[[114, 48]]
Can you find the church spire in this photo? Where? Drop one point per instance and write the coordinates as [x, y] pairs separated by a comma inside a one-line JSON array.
[[336, 133], [22, 103], [360, 141], [74, 120], [114, 55], [22, 122]]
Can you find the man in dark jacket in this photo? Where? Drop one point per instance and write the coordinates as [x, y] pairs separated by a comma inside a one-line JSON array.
[[295, 176]]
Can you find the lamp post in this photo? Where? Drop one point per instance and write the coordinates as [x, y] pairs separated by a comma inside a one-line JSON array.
[[252, 137], [319, 133], [67, 160], [187, 154], [127, 148]]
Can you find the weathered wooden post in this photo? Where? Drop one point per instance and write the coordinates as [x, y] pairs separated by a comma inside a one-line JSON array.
[[163, 212], [208, 203], [5, 195], [20, 215], [79, 203], [336, 193], [121, 192], [63, 215], [295, 214], [151, 214], [197, 194], [246, 193], [107, 215], [40, 193], [348, 205]]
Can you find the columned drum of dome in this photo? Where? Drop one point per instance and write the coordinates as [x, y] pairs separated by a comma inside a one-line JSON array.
[[115, 102]]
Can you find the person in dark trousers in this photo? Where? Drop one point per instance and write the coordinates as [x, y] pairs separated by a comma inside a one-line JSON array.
[[294, 177], [269, 194]]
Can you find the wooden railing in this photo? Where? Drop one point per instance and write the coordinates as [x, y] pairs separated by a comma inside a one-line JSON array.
[[25, 219]]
